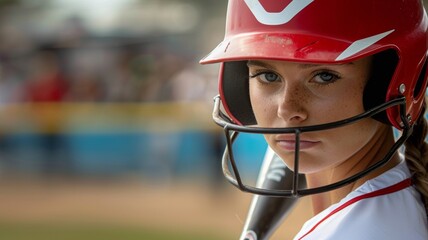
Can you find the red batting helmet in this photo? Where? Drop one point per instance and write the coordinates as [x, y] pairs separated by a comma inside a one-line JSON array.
[[394, 32], [325, 31]]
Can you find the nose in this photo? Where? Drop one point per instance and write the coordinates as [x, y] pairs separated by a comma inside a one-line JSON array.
[[291, 105]]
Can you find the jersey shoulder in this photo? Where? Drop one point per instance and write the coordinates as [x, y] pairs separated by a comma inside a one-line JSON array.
[[395, 215]]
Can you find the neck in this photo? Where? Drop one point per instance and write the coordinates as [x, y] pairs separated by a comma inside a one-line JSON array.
[[371, 153]]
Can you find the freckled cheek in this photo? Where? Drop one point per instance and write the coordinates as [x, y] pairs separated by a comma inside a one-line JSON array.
[[347, 104], [354, 103], [263, 104]]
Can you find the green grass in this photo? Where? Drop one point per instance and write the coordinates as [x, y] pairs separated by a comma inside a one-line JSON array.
[[71, 232]]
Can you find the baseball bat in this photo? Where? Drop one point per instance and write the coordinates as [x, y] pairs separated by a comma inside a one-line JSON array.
[[266, 213]]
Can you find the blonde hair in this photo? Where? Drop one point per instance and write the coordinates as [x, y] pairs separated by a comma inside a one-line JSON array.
[[416, 154]]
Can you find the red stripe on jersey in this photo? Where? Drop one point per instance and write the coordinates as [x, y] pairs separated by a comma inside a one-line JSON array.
[[391, 189]]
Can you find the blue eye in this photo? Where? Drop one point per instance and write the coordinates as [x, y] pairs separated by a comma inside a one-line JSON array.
[[267, 77], [270, 77], [325, 77]]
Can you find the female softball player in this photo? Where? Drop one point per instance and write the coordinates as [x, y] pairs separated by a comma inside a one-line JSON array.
[[326, 83]]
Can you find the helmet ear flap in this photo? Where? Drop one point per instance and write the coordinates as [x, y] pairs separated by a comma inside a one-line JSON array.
[[420, 90], [383, 68], [422, 81], [234, 90]]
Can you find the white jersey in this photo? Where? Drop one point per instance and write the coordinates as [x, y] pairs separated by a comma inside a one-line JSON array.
[[386, 207]]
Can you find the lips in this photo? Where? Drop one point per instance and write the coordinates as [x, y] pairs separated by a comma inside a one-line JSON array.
[[288, 142]]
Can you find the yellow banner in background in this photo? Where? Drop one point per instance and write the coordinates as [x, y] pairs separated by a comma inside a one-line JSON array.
[[105, 117]]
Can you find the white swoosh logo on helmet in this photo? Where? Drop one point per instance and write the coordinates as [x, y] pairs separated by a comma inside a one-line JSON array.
[[362, 44], [276, 18]]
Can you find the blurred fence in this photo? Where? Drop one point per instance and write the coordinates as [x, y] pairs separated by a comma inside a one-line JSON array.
[[157, 141], [149, 140]]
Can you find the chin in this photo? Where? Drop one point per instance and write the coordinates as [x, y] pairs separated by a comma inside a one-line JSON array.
[[308, 163]]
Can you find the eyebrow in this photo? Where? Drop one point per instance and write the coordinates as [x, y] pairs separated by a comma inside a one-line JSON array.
[[303, 65], [258, 64]]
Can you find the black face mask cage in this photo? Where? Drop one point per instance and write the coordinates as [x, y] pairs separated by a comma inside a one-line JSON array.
[[232, 130]]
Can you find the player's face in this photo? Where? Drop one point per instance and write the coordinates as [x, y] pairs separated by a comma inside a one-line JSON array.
[[290, 94]]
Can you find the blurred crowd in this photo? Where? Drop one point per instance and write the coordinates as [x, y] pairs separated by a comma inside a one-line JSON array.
[[81, 67], [74, 64]]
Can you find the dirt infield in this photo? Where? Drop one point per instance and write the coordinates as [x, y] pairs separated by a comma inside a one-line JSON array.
[[185, 207]]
